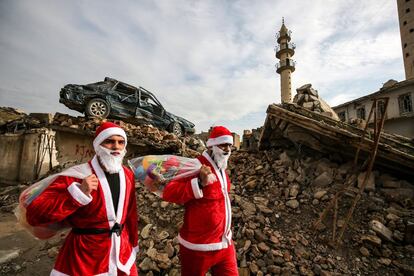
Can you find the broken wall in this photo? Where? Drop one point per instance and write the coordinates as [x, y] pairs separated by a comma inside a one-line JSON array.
[[73, 147], [26, 156]]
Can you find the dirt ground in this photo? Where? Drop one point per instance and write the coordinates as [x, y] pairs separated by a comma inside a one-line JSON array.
[[33, 256]]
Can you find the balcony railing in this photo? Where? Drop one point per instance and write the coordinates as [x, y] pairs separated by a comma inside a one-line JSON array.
[[287, 63], [289, 34], [289, 45]]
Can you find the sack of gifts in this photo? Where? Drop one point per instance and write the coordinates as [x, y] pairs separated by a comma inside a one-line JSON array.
[[46, 231], [155, 171]]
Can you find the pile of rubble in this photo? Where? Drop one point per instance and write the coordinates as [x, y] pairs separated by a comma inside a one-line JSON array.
[[13, 120], [147, 132], [276, 197], [146, 136], [308, 98], [279, 195]]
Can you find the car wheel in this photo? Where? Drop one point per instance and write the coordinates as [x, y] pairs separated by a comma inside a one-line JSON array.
[[176, 129], [97, 108]]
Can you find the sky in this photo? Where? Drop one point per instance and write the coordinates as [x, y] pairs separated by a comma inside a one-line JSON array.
[[211, 62]]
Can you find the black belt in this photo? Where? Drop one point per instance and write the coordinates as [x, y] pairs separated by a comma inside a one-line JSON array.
[[117, 228]]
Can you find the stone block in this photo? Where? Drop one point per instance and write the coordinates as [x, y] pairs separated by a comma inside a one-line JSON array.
[[370, 185], [382, 231], [323, 180]]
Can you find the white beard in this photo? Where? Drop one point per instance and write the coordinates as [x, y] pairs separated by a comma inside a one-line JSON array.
[[220, 157], [111, 163]]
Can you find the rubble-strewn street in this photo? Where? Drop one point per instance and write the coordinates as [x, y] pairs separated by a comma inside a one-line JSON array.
[[277, 195]]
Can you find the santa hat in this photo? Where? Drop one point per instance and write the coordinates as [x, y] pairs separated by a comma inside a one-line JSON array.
[[219, 135], [106, 130]]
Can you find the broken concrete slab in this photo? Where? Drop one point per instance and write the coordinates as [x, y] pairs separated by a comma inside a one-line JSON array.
[[8, 255], [291, 123], [382, 231], [370, 182]]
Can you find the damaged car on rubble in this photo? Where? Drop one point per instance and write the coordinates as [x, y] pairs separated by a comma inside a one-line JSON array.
[[117, 100]]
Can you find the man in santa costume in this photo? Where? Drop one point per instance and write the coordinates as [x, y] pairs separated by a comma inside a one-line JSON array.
[[205, 237], [100, 208]]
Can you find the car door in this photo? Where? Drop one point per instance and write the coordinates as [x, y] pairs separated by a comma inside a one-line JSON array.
[[123, 101], [151, 110]]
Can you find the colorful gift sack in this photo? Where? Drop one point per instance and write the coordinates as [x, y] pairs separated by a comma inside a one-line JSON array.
[[32, 192], [155, 171]]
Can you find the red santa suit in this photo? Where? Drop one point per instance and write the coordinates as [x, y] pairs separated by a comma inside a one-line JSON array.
[[91, 254], [205, 237]]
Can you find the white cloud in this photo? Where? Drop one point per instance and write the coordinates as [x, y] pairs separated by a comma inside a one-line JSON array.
[[208, 61]]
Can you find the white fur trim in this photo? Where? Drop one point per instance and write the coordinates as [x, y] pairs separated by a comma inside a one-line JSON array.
[[122, 194], [198, 193], [131, 260], [113, 217], [54, 272], [78, 195], [104, 134], [225, 139], [204, 246], [221, 174], [110, 212]]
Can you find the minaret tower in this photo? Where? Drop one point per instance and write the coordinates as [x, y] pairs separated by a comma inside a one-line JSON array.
[[406, 18], [286, 66]]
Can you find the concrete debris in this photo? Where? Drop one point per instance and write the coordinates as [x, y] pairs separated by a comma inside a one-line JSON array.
[[8, 255], [381, 230], [308, 98], [370, 184], [292, 125]]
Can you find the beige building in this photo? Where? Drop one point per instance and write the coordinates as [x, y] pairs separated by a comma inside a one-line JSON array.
[[399, 117], [406, 19], [286, 66]]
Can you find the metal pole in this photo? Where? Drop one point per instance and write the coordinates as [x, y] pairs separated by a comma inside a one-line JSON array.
[[335, 220], [367, 174]]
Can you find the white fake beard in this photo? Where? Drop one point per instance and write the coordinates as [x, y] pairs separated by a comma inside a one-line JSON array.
[[111, 163], [220, 157]]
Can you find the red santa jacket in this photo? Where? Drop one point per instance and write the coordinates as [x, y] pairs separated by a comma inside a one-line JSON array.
[[207, 218], [89, 254]]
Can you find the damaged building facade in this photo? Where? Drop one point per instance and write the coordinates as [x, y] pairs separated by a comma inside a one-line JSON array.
[[399, 116]]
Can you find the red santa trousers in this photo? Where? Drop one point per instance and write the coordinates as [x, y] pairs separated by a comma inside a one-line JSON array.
[[197, 263]]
